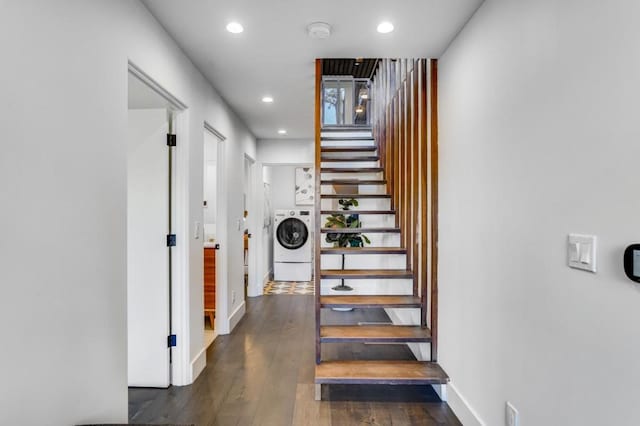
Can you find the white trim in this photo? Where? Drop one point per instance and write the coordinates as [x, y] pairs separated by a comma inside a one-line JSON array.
[[208, 127], [155, 86], [222, 273], [462, 409], [254, 206], [221, 321], [198, 364], [236, 316], [181, 324]]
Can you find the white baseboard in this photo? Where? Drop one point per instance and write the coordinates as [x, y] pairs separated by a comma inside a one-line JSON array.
[[198, 364], [236, 316], [460, 406]]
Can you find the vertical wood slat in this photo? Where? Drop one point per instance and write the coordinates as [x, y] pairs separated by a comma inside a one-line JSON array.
[[407, 172], [394, 161], [317, 217], [424, 231], [401, 152], [415, 193], [433, 86], [410, 223]]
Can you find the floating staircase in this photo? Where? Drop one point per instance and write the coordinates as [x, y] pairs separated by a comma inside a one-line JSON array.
[[367, 181]]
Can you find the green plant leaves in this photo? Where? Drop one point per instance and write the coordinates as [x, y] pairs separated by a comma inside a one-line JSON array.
[[341, 221]]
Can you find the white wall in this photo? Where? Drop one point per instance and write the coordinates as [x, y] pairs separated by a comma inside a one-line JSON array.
[[286, 151], [284, 179], [539, 138], [64, 119]]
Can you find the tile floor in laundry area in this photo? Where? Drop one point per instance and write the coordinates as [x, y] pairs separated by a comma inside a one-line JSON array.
[[289, 287]]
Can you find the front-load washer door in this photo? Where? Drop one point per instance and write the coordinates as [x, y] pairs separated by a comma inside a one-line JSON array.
[[292, 233]]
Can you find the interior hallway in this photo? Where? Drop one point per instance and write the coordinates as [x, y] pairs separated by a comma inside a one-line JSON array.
[[263, 374]]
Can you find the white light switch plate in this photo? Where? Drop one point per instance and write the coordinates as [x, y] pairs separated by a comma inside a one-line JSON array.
[[581, 252]]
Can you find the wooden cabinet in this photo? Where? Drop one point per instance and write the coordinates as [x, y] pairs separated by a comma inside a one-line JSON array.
[[210, 283]]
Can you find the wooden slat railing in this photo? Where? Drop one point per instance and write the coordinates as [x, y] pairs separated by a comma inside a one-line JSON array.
[[405, 125]]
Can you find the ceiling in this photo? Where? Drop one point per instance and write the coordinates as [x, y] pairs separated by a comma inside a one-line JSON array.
[[275, 57]]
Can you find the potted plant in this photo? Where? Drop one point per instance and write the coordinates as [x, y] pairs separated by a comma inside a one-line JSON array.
[[345, 239]]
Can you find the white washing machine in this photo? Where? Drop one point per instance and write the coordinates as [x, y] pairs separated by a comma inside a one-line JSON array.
[[292, 245]]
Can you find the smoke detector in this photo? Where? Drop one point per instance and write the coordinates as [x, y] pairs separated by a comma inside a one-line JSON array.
[[319, 30]]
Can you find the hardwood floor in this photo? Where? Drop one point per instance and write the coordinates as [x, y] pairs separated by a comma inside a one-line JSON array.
[[263, 374]]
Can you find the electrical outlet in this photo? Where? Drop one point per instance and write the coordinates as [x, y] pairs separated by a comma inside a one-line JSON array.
[[511, 415], [233, 297]]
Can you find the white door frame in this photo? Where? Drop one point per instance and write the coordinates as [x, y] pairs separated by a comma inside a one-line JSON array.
[[222, 275], [254, 285], [180, 365]]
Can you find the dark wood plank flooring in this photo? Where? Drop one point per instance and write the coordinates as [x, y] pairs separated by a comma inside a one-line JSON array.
[[263, 374]]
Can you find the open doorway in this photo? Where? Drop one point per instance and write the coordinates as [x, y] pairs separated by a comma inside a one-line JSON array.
[[247, 222], [154, 262], [211, 244], [288, 245], [149, 186]]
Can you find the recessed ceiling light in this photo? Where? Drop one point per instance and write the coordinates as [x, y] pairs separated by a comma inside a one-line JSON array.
[[267, 99], [282, 132], [234, 28], [385, 27]]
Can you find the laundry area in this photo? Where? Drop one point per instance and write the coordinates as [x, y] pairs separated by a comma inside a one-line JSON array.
[[288, 232]]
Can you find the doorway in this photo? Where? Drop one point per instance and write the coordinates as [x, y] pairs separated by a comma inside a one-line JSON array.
[[153, 264], [247, 220], [211, 243]]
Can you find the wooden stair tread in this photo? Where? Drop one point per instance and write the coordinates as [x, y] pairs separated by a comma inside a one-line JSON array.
[[349, 159], [355, 196], [370, 301], [353, 182], [363, 250], [348, 148], [380, 372], [351, 169], [374, 333], [365, 273], [357, 212], [360, 230]]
